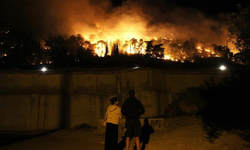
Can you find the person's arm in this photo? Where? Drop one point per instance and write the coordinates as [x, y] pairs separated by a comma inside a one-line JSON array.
[[120, 114], [124, 107], [141, 108], [106, 114]]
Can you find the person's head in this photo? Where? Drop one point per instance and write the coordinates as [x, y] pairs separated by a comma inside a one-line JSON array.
[[131, 93], [114, 100]]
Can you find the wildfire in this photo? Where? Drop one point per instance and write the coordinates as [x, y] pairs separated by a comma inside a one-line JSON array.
[[136, 43], [130, 45], [100, 48]]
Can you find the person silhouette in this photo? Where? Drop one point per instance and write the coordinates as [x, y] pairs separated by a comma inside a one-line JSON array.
[[146, 131], [132, 108], [112, 118]]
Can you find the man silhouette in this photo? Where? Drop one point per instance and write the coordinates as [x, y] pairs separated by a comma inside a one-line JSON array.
[[132, 109]]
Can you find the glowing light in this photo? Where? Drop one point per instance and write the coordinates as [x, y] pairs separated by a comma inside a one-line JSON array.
[[136, 66], [44, 69], [222, 67], [167, 57], [207, 50]]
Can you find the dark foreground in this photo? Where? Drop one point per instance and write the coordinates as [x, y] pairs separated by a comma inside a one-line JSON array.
[[182, 133]]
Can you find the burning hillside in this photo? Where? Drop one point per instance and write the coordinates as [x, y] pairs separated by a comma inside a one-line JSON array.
[[156, 29], [162, 31]]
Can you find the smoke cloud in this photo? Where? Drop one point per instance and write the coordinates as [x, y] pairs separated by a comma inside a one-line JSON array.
[[138, 19]]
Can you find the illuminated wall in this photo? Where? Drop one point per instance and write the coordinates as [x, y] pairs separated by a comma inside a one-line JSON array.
[[35, 100]]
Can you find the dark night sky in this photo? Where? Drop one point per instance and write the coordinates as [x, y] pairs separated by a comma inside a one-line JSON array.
[[210, 7], [8, 8]]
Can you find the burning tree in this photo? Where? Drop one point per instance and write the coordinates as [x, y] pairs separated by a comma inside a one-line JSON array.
[[239, 31]]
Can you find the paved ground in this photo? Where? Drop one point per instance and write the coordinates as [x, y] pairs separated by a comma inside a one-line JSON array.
[[58, 140], [185, 134], [53, 143]]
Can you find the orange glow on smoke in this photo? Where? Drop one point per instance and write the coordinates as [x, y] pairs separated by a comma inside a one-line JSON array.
[[131, 36]]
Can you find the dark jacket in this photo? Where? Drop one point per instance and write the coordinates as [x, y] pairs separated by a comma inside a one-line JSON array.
[[132, 108]]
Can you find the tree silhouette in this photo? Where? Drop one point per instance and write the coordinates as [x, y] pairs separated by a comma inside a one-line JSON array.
[[189, 47], [239, 31]]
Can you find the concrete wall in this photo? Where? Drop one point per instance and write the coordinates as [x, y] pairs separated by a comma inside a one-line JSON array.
[[35, 100], [32, 112]]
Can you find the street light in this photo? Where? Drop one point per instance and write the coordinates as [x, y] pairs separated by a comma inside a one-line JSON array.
[[222, 67], [44, 69]]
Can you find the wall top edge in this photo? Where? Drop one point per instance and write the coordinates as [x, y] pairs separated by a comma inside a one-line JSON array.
[[112, 71]]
